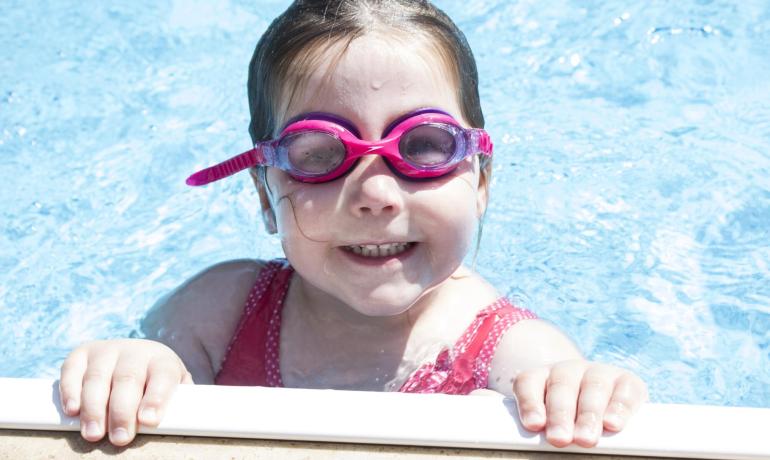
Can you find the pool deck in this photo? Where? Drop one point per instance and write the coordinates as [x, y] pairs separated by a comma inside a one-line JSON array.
[[17, 444]]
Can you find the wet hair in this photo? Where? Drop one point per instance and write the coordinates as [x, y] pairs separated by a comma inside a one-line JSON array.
[[288, 48], [294, 42]]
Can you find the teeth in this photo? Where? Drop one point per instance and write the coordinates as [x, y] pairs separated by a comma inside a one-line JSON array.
[[378, 250]]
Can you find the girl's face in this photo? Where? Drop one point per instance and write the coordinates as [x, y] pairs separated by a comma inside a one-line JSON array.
[[425, 227]]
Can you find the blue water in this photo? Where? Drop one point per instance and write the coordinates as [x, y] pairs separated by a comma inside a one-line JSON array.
[[631, 201]]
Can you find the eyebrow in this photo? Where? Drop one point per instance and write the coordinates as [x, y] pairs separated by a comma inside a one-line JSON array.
[[347, 124]]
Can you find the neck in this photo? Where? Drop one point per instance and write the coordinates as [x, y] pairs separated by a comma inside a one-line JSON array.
[[332, 317], [335, 346]]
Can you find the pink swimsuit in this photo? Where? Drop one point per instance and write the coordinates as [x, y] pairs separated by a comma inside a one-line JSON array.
[[252, 357]]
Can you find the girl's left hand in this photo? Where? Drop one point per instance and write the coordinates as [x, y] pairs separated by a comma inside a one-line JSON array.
[[574, 400]]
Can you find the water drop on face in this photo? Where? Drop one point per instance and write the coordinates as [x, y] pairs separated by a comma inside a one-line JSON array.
[[376, 84]]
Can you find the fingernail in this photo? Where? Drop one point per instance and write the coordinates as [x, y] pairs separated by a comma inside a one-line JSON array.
[[119, 435], [532, 418], [559, 432], [149, 415], [93, 430], [613, 420], [586, 432], [69, 406]]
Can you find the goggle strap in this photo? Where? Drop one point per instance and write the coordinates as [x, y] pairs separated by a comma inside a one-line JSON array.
[[481, 142], [227, 168], [485, 144]]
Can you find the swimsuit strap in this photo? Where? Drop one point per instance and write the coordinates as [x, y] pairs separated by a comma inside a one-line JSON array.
[[251, 357], [474, 350], [272, 348], [505, 315]]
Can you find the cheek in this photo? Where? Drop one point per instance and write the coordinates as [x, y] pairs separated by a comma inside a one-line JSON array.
[[451, 217], [460, 224], [300, 209]]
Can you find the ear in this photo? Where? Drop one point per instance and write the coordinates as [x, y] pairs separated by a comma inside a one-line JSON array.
[[482, 194], [268, 215]]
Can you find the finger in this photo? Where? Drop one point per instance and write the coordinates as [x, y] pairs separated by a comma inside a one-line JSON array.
[[561, 396], [529, 389], [163, 376], [97, 381], [595, 391], [127, 388], [629, 393], [71, 381]]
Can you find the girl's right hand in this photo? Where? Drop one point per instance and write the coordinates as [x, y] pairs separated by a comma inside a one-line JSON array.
[[113, 384]]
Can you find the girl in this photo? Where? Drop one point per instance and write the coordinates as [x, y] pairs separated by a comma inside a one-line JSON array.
[[372, 166]]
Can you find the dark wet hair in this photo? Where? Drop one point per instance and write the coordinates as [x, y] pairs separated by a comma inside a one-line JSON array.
[[295, 38]]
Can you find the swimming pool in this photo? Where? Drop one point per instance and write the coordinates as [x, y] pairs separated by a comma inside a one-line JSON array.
[[631, 201]]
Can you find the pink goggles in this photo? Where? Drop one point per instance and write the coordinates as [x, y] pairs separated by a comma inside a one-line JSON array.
[[318, 148]]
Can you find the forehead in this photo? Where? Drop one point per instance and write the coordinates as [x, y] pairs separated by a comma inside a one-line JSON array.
[[374, 79]]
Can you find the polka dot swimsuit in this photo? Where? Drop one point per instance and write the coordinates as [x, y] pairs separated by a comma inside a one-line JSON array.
[[253, 358]]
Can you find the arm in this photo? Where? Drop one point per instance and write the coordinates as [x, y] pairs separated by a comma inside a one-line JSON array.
[[529, 344], [113, 384], [557, 389]]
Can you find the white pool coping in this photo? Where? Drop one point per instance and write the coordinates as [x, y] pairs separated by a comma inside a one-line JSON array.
[[479, 422]]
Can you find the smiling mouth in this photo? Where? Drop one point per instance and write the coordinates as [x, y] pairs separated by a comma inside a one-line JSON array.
[[379, 250]]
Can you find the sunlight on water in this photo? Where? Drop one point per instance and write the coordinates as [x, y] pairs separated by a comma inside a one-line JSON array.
[[631, 199]]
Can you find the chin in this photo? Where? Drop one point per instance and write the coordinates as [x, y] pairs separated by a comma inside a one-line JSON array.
[[384, 305]]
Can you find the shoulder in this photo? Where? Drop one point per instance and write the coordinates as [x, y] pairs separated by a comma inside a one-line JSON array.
[[197, 319], [451, 313], [209, 290]]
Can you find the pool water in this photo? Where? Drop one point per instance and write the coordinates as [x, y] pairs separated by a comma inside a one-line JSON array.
[[630, 205]]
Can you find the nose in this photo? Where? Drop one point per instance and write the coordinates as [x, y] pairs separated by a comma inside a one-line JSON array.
[[374, 190]]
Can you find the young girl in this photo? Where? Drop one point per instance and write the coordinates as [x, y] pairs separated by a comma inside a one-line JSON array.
[[372, 166]]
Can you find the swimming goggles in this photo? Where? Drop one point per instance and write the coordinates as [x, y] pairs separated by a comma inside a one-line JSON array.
[[319, 147]]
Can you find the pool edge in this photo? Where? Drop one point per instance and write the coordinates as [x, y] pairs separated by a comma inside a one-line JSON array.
[[302, 418]]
